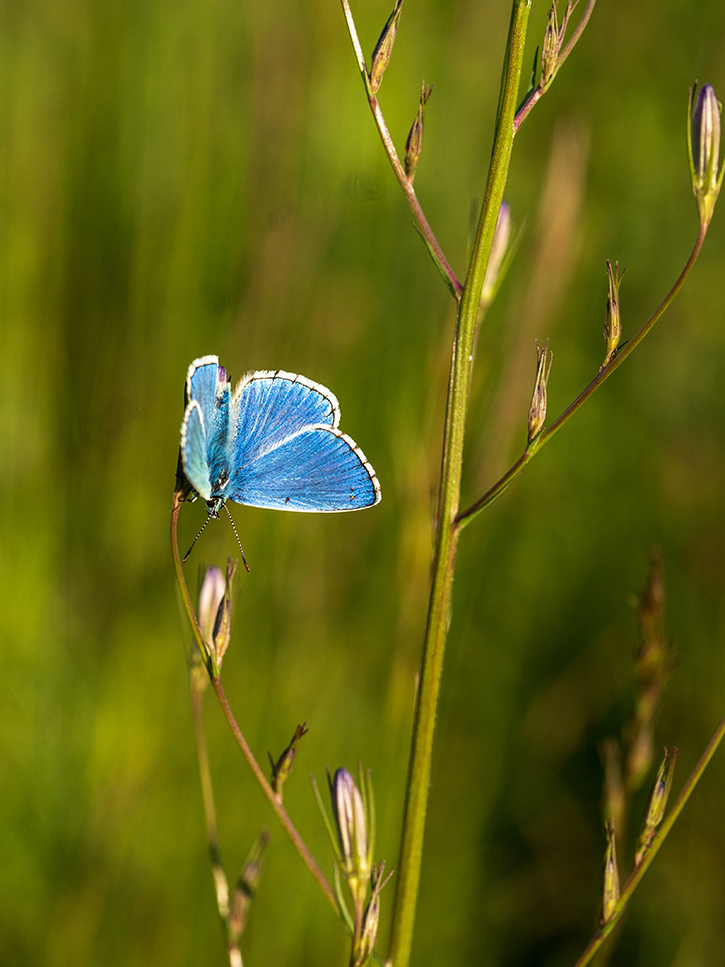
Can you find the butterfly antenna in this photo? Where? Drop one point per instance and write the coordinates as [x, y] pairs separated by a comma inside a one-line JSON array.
[[234, 526], [188, 553]]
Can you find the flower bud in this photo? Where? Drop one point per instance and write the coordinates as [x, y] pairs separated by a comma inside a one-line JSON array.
[[550, 47], [211, 596], [657, 805], [223, 623], [369, 934], [610, 892], [246, 888], [703, 141], [384, 48], [613, 320], [364, 945], [553, 41], [282, 768], [414, 144], [351, 824], [537, 410]]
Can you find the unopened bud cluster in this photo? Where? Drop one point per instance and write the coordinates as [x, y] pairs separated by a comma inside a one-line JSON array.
[[554, 35], [353, 836]]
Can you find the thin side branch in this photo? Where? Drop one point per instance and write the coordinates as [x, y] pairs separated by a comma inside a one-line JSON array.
[[466, 516], [542, 87], [421, 221]]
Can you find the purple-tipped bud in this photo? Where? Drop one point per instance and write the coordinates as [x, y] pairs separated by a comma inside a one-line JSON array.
[[657, 805], [215, 612], [350, 821], [610, 892], [537, 410], [704, 149], [384, 48], [211, 596], [613, 318], [414, 144]]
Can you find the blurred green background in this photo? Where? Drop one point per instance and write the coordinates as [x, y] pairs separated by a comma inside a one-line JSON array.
[[184, 177]]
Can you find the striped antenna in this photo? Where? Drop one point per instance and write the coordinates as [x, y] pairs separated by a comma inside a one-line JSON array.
[[188, 553], [234, 526]]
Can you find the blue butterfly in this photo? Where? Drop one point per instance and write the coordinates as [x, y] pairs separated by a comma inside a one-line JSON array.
[[273, 443]]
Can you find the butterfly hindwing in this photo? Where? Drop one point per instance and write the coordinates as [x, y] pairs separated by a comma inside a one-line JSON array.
[[319, 469]]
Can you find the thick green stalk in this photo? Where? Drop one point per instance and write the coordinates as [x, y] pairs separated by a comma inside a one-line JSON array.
[[447, 531]]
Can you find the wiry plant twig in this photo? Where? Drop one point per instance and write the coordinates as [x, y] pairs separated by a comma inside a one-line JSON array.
[[544, 84], [405, 183]]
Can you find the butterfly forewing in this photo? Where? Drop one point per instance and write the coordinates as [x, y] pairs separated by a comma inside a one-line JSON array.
[[203, 378], [269, 408]]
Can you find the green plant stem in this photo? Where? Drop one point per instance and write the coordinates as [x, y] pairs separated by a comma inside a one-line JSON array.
[[447, 531], [436, 252], [466, 516], [639, 871], [259, 775]]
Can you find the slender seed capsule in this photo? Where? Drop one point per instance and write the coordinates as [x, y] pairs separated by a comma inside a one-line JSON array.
[[223, 623], [550, 47], [537, 410], [610, 892], [613, 319], [282, 768], [384, 48], [657, 804], [414, 144]]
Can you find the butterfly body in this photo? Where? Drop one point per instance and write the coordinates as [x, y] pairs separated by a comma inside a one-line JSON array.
[[274, 442]]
